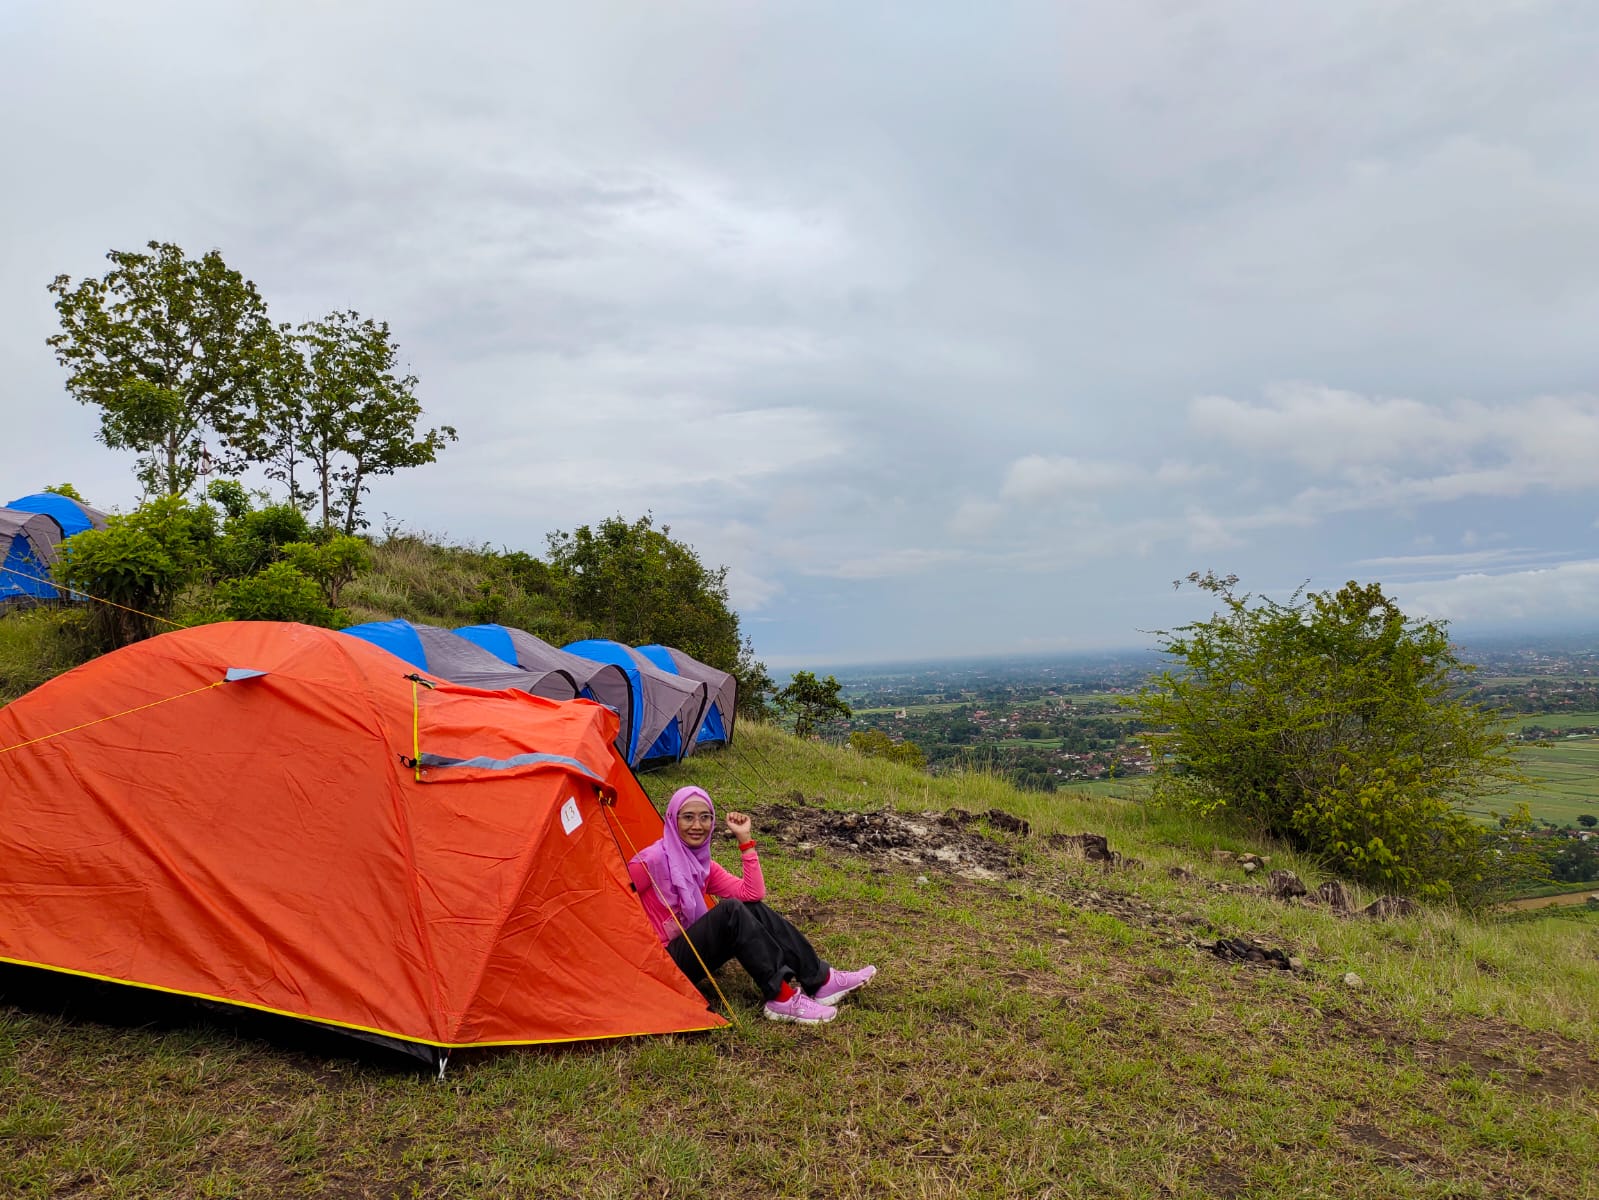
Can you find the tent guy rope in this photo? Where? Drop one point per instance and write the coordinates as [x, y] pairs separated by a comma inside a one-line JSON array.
[[97, 599], [110, 717]]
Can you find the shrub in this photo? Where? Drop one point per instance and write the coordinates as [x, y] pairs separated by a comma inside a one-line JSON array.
[[874, 743], [138, 563], [280, 592], [1331, 721]]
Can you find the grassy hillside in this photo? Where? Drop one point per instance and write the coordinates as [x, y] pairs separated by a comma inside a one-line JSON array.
[[1055, 1030]]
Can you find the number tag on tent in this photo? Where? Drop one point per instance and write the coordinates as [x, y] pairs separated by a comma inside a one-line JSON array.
[[570, 817]]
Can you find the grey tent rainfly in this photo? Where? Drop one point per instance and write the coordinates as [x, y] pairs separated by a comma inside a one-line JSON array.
[[440, 652], [601, 681], [667, 709], [662, 711], [722, 707]]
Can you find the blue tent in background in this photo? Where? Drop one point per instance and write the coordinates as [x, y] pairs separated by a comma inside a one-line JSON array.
[[72, 516], [721, 689], [667, 708], [437, 651], [32, 529]]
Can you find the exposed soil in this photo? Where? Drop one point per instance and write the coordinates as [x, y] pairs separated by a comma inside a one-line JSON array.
[[1526, 1062], [949, 842]]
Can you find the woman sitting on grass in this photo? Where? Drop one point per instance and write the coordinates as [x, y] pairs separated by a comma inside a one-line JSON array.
[[672, 877]]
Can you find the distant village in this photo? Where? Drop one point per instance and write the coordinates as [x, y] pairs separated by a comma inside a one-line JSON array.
[[1047, 724]]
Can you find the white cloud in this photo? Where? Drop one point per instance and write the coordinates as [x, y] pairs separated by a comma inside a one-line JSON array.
[[1176, 473], [1465, 559], [1326, 429], [1044, 477], [974, 519], [1547, 595], [1386, 452], [749, 592], [852, 309], [891, 564]]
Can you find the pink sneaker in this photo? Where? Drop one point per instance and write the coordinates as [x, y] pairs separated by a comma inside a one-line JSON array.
[[800, 1008], [841, 983]]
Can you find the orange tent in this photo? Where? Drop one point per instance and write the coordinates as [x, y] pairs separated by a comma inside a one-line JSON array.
[[287, 819]]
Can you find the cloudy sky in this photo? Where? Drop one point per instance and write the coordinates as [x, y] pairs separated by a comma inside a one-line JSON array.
[[949, 328]]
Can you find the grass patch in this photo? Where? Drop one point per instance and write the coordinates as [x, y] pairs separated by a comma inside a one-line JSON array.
[[1022, 1039]]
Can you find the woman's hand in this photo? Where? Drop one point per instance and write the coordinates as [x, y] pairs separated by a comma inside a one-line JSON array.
[[738, 824]]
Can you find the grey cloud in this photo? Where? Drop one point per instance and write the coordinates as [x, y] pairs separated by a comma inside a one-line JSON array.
[[901, 312]]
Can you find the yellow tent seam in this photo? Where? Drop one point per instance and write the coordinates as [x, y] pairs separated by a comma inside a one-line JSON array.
[[283, 1012]]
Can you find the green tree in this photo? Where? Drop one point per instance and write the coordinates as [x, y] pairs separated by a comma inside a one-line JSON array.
[[812, 701], [1333, 722], [344, 413], [1575, 861], [171, 349], [331, 564], [1588, 820], [274, 432], [634, 583]]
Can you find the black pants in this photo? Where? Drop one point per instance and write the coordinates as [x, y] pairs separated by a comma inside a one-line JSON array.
[[765, 944]]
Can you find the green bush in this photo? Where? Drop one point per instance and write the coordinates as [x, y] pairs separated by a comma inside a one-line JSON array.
[[1333, 722], [332, 564], [874, 743], [136, 566], [253, 539], [280, 592]]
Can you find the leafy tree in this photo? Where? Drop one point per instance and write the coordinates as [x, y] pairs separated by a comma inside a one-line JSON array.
[[812, 701], [171, 349], [274, 432], [342, 412], [637, 584], [1588, 820], [1575, 862], [67, 490], [1332, 722]]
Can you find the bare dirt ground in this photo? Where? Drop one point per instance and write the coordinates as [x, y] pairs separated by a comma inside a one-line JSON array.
[[951, 841]]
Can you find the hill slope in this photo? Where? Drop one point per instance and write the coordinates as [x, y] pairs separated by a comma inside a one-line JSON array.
[[1045, 1028]]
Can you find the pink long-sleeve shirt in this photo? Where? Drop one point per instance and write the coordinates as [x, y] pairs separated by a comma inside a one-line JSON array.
[[720, 882]]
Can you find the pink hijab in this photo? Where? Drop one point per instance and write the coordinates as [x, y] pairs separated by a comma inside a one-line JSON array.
[[678, 872]]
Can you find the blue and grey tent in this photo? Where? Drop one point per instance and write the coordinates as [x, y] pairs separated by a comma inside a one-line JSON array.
[[437, 651], [667, 709], [32, 529], [722, 689], [73, 516], [604, 682], [28, 544]]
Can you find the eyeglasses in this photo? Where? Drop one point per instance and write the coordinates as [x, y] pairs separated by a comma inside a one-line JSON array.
[[695, 819]]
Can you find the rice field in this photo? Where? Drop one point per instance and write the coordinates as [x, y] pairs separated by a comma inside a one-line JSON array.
[[1563, 783]]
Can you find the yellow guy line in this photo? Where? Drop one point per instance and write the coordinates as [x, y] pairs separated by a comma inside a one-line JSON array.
[[661, 896], [112, 717], [70, 590]]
